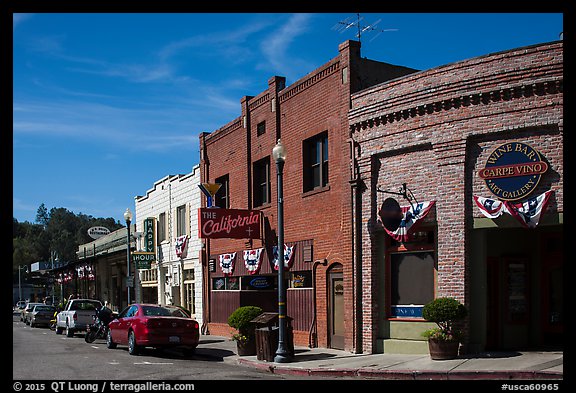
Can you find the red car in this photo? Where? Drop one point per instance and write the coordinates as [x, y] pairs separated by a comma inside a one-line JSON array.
[[152, 325]]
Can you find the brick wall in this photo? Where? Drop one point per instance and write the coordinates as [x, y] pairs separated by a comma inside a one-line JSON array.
[[318, 102], [434, 130]]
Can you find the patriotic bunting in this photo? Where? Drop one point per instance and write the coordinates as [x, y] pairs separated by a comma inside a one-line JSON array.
[[227, 263], [527, 213], [410, 217], [181, 245], [288, 256], [252, 260], [491, 208]]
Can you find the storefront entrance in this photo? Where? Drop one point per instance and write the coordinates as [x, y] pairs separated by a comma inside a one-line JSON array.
[[336, 307], [524, 307]]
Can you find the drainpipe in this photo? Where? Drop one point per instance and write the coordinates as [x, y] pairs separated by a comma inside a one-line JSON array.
[[313, 331]]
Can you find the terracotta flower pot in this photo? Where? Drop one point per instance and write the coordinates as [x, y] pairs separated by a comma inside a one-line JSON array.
[[443, 350]]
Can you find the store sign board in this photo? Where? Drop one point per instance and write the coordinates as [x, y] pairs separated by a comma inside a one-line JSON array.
[[513, 171], [98, 232], [391, 214], [143, 260], [229, 223], [149, 235]]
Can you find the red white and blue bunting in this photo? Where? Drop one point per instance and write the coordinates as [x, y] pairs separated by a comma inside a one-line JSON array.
[[288, 256], [528, 213], [253, 260], [227, 263], [181, 245], [490, 208], [411, 215]]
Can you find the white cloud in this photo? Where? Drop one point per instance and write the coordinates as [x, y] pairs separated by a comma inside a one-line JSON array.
[[276, 47]]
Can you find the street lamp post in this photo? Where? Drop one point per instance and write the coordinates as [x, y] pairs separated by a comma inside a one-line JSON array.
[[20, 280], [128, 218], [282, 354]]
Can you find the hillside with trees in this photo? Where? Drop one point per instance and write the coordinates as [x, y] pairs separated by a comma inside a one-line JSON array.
[[56, 233]]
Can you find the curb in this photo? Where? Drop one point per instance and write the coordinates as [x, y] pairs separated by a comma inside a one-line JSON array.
[[403, 374]]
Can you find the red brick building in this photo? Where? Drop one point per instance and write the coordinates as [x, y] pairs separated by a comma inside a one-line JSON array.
[[311, 118], [439, 131]]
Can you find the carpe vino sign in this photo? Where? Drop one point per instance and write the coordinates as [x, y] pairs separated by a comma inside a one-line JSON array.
[[229, 223]]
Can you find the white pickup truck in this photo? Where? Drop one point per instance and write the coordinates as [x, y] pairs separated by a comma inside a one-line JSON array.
[[77, 315]]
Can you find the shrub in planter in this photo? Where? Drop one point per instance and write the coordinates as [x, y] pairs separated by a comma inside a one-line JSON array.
[[444, 339], [240, 320]]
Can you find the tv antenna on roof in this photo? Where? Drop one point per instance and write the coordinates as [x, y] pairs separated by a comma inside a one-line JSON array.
[[347, 23]]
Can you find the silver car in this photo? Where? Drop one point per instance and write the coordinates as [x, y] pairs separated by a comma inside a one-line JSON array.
[[41, 315], [25, 315]]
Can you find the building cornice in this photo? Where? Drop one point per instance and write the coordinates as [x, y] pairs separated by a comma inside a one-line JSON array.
[[540, 88]]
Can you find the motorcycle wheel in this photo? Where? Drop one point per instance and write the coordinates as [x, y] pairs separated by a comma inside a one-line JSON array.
[[90, 337]]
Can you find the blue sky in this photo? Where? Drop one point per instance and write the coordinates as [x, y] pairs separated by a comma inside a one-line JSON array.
[[106, 104]]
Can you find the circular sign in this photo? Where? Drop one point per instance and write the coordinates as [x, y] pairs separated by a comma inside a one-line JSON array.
[[513, 170], [98, 232], [391, 214]]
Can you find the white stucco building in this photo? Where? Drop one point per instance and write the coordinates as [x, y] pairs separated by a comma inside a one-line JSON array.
[[176, 275]]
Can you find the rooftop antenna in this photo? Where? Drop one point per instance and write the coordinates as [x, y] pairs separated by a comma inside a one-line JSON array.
[[347, 23]]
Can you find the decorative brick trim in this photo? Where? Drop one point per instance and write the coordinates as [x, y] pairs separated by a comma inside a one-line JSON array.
[[255, 103], [307, 82], [223, 131], [478, 98]]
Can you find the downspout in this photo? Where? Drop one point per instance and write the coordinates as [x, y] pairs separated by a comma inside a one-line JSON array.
[[355, 184], [313, 331]]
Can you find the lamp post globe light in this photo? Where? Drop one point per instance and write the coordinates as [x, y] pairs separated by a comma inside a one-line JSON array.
[[128, 218], [282, 354]]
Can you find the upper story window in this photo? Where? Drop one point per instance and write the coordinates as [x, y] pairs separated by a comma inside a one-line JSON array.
[[315, 161], [261, 128], [161, 227], [222, 197], [261, 182], [181, 224]]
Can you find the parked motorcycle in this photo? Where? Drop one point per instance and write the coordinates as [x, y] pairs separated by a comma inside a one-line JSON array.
[[99, 329], [52, 324]]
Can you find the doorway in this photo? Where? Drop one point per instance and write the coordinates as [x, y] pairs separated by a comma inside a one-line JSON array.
[[336, 307]]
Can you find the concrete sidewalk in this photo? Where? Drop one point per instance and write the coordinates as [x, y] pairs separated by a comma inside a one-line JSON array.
[[322, 362]]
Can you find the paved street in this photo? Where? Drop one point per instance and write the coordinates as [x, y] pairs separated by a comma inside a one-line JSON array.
[[38, 353]]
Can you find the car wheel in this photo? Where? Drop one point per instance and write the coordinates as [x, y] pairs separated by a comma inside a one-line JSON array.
[[32, 324], [109, 343], [58, 330], [133, 348], [69, 332]]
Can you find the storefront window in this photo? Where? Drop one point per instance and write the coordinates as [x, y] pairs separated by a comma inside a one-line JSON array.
[[225, 283], [412, 283], [258, 282], [301, 279]]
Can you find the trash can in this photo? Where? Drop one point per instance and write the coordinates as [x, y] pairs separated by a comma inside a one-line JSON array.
[[267, 334]]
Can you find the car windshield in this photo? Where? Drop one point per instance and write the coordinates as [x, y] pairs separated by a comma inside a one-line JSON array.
[[44, 308], [177, 312], [86, 305], [159, 311], [30, 306]]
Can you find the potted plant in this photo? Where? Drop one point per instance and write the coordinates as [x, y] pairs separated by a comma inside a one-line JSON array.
[[245, 336], [444, 340]]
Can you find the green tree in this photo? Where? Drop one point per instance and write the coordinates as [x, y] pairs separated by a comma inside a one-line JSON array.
[[42, 215], [58, 230]]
